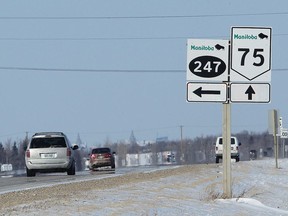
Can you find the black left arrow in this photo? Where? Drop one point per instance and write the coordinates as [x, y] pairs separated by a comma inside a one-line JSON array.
[[250, 91], [199, 92]]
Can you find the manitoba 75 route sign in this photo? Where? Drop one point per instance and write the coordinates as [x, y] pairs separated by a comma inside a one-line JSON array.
[[250, 54]]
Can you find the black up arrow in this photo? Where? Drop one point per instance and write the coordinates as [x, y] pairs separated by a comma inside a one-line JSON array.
[[199, 92], [249, 92]]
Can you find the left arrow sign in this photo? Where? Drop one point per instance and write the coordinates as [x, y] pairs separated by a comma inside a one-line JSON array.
[[199, 92], [206, 92]]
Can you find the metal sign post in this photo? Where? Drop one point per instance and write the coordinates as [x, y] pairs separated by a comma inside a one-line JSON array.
[[273, 129], [227, 150]]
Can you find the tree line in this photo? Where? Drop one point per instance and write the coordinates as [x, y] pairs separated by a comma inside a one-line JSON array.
[[186, 151]]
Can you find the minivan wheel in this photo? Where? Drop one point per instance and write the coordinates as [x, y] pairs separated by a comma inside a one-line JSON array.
[[71, 170], [217, 160], [30, 173]]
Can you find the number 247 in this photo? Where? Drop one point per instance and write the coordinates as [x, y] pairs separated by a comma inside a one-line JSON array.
[[256, 54]]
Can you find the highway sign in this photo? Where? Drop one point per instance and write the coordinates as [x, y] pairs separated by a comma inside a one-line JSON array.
[[280, 122], [250, 54], [284, 133], [207, 60], [206, 92], [250, 92]]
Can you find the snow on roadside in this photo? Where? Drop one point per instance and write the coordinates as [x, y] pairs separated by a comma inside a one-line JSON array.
[[258, 189], [254, 204]]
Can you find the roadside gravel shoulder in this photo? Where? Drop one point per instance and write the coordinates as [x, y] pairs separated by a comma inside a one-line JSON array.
[[15, 203]]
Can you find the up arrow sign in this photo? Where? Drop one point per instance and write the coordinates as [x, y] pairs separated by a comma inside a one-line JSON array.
[[250, 91]]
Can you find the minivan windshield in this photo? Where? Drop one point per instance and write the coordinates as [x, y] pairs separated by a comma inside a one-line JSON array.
[[232, 141], [51, 142]]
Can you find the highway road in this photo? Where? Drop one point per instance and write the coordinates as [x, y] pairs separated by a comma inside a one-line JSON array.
[[15, 181]]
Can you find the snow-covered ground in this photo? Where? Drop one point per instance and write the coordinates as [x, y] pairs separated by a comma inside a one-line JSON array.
[[258, 189]]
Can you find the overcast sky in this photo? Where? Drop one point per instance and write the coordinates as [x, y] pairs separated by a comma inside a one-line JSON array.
[[105, 68]]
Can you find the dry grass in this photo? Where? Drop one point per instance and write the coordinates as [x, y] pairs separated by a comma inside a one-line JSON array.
[[212, 193]]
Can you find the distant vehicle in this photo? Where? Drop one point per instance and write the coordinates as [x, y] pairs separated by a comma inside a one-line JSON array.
[[101, 157], [50, 152], [234, 149], [171, 158], [87, 163], [253, 155]]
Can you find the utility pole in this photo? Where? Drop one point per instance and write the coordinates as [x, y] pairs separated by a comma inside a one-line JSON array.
[[181, 143]]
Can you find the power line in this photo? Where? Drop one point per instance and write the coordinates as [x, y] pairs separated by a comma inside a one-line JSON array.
[[104, 70], [92, 38], [111, 39], [116, 38], [90, 70], [140, 17]]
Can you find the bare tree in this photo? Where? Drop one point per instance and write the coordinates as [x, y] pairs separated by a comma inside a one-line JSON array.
[[2, 154], [121, 151], [8, 145]]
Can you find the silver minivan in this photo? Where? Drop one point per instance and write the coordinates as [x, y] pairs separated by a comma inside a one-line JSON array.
[[50, 152]]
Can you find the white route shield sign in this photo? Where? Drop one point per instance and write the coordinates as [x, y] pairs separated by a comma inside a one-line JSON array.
[[250, 54]]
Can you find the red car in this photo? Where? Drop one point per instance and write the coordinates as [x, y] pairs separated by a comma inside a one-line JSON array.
[[101, 157]]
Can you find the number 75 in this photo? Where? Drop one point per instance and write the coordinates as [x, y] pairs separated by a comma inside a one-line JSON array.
[[256, 54]]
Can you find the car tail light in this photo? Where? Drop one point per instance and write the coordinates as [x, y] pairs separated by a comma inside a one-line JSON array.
[[107, 155], [216, 148], [69, 153], [93, 156], [28, 153]]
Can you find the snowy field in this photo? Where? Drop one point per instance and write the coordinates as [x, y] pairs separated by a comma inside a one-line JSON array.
[[258, 189]]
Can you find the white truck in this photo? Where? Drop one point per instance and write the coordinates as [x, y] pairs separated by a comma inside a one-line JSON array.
[[234, 149]]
